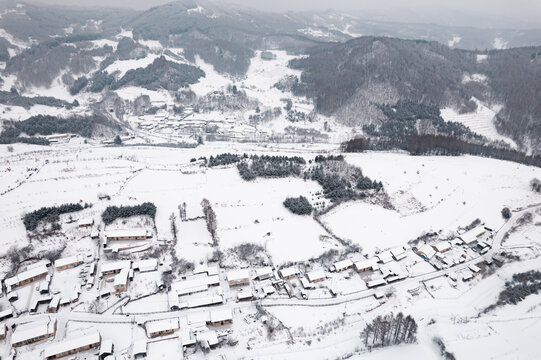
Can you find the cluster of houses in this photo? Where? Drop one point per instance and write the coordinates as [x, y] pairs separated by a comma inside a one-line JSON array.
[[121, 272], [205, 281], [36, 332], [440, 256], [42, 273]]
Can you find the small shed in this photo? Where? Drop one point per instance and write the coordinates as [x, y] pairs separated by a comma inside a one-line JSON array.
[[121, 281], [245, 295], [139, 349], [106, 348], [85, 223], [316, 276], [375, 283]]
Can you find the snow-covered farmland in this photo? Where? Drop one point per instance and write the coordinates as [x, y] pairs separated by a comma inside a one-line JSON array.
[[122, 66], [480, 121], [430, 194]]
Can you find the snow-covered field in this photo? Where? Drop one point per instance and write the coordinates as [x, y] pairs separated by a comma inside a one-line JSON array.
[[430, 194], [481, 120]]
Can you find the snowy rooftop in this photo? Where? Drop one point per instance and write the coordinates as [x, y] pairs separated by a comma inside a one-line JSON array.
[[7, 312], [115, 265], [205, 301], [68, 261], [139, 347], [205, 268], [209, 336], [366, 264], [473, 234], [442, 246], [33, 330], [290, 271], [343, 264], [145, 265], [141, 232], [376, 282], [397, 251], [427, 250], [316, 275], [85, 222], [237, 275], [162, 325], [122, 278], [385, 256], [28, 274], [106, 347], [221, 315], [184, 287], [72, 344], [266, 271]]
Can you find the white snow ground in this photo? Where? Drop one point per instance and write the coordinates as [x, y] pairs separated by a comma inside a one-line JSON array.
[[480, 121]]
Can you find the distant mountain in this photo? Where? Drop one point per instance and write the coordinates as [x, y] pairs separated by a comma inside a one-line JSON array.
[[347, 72], [352, 80], [222, 35]]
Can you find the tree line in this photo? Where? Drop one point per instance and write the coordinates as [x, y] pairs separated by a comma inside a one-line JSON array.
[[111, 213], [48, 214], [48, 125], [225, 159], [210, 219], [518, 288], [403, 116], [13, 98], [270, 166], [417, 144]]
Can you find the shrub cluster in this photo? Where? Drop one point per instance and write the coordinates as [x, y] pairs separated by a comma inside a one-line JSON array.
[[521, 285], [225, 159], [299, 205]]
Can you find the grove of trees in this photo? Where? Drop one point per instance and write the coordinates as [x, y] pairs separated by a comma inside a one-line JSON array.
[[535, 184], [518, 288], [111, 213], [299, 205], [390, 330], [270, 166], [506, 213], [48, 214], [47, 125], [439, 145]]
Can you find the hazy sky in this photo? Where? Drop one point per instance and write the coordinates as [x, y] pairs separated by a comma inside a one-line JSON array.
[[426, 10]]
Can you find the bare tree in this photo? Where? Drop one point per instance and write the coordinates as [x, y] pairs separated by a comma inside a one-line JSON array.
[[210, 217], [173, 219]]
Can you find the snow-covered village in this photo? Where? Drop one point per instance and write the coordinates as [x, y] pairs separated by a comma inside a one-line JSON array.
[[207, 180]]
